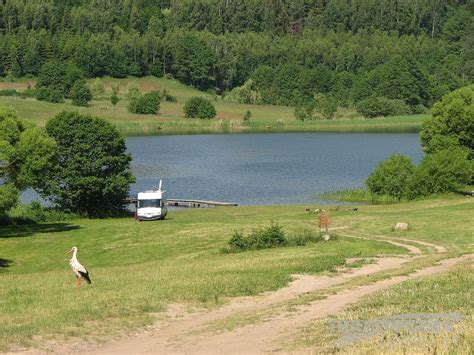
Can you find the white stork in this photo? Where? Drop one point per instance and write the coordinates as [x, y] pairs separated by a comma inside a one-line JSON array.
[[79, 270]]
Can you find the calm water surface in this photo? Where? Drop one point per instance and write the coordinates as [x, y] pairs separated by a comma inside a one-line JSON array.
[[262, 169]]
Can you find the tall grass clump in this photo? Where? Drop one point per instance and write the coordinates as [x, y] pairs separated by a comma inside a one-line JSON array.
[[271, 237], [34, 212], [260, 238], [306, 237], [361, 195]]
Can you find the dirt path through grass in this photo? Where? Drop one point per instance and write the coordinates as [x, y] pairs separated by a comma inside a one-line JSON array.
[[180, 336], [194, 332]]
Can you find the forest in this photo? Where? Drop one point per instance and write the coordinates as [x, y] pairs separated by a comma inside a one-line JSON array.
[[404, 54]]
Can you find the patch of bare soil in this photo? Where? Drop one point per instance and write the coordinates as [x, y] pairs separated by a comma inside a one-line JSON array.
[[186, 331], [411, 248], [174, 337]]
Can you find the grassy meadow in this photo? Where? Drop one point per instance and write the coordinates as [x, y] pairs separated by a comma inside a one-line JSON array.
[[446, 293], [171, 120], [137, 269]]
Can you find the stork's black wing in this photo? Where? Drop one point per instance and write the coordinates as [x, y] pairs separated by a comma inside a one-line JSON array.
[[85, 276]]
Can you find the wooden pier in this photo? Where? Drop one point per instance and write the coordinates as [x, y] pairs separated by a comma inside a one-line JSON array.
[[178, 202]]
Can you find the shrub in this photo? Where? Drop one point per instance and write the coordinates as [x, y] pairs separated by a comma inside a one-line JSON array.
[[305, 237], [247, 116], [80, 93], [419, 109], [198, 107], [147, 104], [34, 212], [326, 105], [10, 77], [97, 87], [115, 88], [59, 76], [305, 110], [453, 116], [381, 106], [168, 97], [156, 69], [260, 238], [8, 92], [238, 241], [30, 92], [446, 170], [390, 176], [114, 99], [244, 94], [50, 95], [133, 92]]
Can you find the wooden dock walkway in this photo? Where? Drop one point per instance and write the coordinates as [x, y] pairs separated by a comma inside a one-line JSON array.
[[196, 203], [178, 202]]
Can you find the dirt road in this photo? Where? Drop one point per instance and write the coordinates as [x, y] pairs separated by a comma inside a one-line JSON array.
[[199, 333]]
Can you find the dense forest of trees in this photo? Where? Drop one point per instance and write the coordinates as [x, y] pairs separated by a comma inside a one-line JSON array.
[[283, 52]]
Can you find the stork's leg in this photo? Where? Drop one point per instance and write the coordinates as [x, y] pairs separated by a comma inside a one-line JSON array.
[[78, 283]]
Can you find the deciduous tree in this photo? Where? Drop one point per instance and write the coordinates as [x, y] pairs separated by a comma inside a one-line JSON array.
[[93, 173]]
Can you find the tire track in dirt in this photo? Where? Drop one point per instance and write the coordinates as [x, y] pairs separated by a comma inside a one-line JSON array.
[[262, 337], [411, 248], [185, 326]]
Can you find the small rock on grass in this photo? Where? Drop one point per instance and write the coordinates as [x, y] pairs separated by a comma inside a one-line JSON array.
[[401, 226]]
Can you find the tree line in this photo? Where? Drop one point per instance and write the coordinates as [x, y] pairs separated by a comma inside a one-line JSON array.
[[437, 18], [282, 52]]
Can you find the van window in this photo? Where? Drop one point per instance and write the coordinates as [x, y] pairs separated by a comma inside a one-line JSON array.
[[149, 203]]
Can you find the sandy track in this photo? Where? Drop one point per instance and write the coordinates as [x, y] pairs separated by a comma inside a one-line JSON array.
[[174, 337], [189, 333], [411, 248]]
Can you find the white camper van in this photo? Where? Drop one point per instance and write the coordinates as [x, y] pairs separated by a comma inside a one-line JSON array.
[[151, 205]]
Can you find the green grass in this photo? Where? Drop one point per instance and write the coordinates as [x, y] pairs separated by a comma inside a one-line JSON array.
[[139, 268], [446, 221], [446, 293], [359, 195], [265, 118], [365, 196]]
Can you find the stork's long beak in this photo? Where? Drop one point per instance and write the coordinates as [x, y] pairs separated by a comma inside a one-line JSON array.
[[68, 251]]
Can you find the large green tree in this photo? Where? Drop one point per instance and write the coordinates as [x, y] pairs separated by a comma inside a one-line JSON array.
[[452, 122], [26, 156], [93, 173]]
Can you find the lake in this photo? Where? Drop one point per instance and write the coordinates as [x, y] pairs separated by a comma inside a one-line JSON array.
[[262, 169]]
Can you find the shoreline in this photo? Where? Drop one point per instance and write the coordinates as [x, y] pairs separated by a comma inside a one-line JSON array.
[[174, 128]]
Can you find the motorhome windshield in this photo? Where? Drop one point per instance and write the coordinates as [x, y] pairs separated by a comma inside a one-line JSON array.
[[149, 203]]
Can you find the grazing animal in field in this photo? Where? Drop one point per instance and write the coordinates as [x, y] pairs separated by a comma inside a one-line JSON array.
[[79, 270]]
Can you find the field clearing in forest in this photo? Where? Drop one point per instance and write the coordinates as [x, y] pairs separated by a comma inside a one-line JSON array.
[[171, 120]]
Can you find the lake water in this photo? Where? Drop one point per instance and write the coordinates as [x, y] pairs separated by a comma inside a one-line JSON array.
[[262, 169]]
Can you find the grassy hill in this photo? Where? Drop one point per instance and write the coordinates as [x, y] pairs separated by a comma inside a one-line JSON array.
[[265, 118]]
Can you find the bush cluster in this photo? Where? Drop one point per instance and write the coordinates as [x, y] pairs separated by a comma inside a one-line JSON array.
[[448, 140], [147, 104], [80, 93], [168, 97], [446, 170], [8, 92], [381, 106], [50, 94], [34, 212], [390, 176], [56, 80], [199, 107], [260, 238]]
